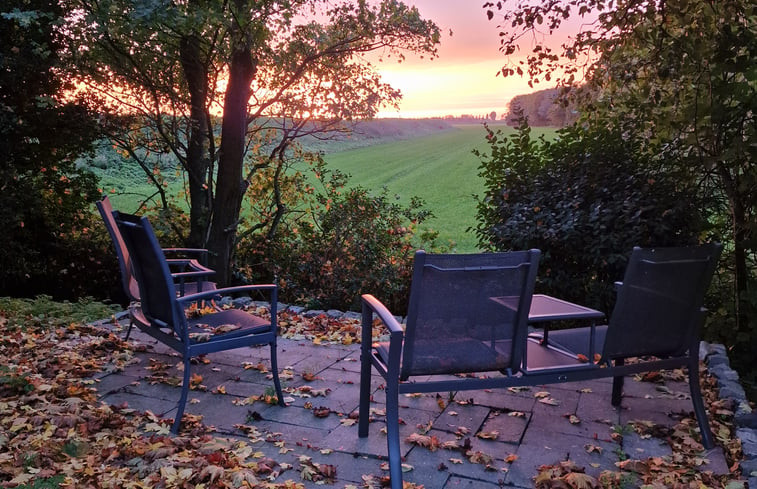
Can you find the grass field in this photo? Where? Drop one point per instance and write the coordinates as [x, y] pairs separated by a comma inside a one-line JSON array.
[[438, 167]]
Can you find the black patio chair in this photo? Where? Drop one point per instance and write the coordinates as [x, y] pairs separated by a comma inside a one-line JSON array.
[[657, 319], [162, 316], [190, 273], [453, 326]]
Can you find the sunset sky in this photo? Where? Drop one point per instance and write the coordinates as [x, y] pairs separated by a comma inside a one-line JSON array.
[[462, 80]]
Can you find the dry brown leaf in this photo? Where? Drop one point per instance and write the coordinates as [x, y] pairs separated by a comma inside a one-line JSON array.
[[425, 441]]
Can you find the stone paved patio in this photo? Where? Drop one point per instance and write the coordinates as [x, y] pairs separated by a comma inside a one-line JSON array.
[[534, 432]]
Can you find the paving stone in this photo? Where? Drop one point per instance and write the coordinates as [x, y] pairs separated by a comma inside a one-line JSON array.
[[160, 407], [428, 462], [250, 382], [158, 391], [351, 363], [640, 448], [293, 435], [731, 390], [541, 447], [718, 359], [349, 468], [312, 358], [717, 463], [723, 372], [339, 399], [334, 313], [113, 383], [522, 471], [660, 411], [425, 471], [299, 416], [345, 439], [748, 420], [470, 416], [748, 467], [597, 414], [636, 388], [748, 439], [716, 349], [505, 400], [221, 417], [457, 482], [511, 428]]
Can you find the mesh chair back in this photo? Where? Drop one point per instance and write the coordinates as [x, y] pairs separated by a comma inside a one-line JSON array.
[[129, 283], [156, 285], [658, 309], [468, 313]]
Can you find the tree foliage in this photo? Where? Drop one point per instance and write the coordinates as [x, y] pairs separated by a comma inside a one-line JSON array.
[[44, 198], [585, 200], [542, 108], [680, 73], [169, 69]]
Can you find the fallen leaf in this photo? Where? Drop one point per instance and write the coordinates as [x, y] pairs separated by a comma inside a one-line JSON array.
[[430, 442], [488, 435], [549, 401]]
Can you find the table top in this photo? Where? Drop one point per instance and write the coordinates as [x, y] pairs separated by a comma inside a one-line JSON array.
[[547, 308]]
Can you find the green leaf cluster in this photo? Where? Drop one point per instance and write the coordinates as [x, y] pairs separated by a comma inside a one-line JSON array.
[[585, 199]]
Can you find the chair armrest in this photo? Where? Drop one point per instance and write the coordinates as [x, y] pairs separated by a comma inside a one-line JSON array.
[[188, 268], [228, 291], [396, 334], [383, 313], [200, 253]]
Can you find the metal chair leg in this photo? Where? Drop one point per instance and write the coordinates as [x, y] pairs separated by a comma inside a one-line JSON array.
[[699, 410], [128, 331], [393, 433], [275, 370], [365, 374], [183, 399], [617, 385]]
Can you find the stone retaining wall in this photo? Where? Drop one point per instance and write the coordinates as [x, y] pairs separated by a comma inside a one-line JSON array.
[[715, 357]]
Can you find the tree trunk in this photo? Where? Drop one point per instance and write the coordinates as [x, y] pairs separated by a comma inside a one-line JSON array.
[[741, 269], [230, 185], [740, 234], [198, 155]]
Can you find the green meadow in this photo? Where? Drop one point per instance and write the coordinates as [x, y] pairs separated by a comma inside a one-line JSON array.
[[438, 167]]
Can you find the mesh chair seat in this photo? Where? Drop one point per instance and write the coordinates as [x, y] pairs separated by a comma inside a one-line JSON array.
[[442, 356], [231, 323]]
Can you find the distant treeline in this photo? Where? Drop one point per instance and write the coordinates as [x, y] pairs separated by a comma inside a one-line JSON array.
[[542, 108]]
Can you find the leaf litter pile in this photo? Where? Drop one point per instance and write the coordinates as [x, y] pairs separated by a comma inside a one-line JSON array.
[[54, 432], [681, 470]]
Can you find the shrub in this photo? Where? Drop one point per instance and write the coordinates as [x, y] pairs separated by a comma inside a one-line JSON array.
[[44, 198], [344, 243], [585, 200]]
